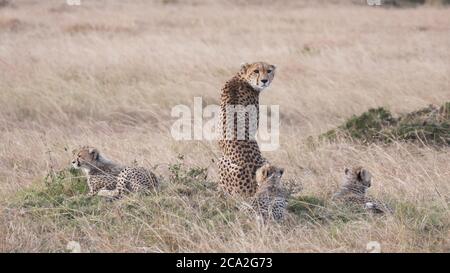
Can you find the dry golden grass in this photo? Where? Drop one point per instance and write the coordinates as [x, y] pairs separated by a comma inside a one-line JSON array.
[[107, 74]]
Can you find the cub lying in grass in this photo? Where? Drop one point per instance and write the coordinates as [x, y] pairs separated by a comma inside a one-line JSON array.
[[353, 191], [106, 178]]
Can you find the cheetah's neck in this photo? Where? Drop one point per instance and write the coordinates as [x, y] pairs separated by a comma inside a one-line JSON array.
[[104, 166], [238, 91], [354, 189]]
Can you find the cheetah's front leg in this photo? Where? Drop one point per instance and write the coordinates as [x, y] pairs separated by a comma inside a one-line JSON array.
[[116, 193]]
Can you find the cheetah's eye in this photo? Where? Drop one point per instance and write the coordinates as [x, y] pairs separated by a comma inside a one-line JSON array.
[[269, 71], [256, 71]]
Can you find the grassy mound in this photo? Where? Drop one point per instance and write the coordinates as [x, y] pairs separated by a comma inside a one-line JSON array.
[[430, 125], [187, 213], [368, 127], [187, 203], [66, 191]]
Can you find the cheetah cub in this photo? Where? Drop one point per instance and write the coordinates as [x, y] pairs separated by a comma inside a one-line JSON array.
[[270, 200], [356, 183], [106, 178]]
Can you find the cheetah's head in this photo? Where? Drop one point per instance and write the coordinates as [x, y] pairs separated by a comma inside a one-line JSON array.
[[358, 177], [269, 175], [85, 158], [259, 75]]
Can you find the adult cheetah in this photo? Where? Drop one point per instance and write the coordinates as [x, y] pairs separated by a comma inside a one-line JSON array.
[[239, 117], [106, 178], [270, 200], [353, 191]]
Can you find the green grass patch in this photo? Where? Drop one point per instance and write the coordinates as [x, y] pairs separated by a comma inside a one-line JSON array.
[[310, 209], [429, 125], [430, 219], [54, 190], [61, 193]]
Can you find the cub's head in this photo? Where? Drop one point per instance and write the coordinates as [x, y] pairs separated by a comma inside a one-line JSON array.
[[269, 175], [85, 158], [358, 177], [259, 75]]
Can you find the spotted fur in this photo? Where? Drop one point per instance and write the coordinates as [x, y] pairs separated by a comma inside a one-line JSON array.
[[270, 200], [106, 178], [353, 191], [241, 156]]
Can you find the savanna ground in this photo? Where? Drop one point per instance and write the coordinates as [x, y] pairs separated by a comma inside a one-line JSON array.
[[107, 74]]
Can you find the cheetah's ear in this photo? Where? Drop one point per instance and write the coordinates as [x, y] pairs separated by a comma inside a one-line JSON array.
[[364, 175], [244, 67], [261, 174], [264, 172], [346, 170], [94, 153]]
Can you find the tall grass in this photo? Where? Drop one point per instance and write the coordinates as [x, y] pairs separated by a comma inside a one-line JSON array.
[[107, 74]]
